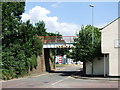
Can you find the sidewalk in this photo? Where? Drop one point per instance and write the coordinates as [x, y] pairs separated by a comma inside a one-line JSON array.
[[28, 76], [79, 75]]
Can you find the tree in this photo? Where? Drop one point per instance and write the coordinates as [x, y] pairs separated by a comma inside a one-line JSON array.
[[84, 50], [20, 43], [10, 17], [40, 28]]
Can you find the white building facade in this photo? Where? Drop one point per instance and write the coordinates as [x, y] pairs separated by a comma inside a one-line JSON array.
[[110, 44]]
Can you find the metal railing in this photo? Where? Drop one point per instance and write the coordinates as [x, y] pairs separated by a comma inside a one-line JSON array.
[[58, 39]]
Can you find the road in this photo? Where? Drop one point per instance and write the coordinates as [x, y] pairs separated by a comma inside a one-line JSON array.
[[59, 79]]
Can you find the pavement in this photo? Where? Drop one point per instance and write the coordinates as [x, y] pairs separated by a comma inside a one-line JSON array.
[[79, 75], [96, 78]]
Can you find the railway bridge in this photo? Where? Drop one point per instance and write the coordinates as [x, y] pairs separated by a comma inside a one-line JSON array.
[[54, 43], [58, 41]]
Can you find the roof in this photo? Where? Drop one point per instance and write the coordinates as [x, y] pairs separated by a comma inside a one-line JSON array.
[[109, 23]]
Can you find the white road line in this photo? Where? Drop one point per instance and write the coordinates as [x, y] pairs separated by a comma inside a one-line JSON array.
[[61, 80]]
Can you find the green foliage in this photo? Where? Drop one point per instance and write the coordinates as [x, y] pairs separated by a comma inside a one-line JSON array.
[[61, 51], [40, 28], [20, 43], [12, 10], [84, 50], [51, 57], [6, 74]]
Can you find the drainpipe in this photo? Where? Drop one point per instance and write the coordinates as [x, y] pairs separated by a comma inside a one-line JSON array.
[[104, 67]]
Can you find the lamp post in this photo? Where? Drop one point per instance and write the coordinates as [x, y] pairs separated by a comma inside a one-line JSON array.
[[92, 6], [55, 48]]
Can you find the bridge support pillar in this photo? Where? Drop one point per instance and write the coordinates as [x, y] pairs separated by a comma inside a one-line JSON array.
[[47, 59], [40, 64]]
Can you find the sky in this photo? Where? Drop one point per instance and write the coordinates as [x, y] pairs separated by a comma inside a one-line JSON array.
[[68, 17]]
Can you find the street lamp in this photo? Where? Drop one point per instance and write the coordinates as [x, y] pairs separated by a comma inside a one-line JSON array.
[[55, 48], [92, 6], [93, 40]]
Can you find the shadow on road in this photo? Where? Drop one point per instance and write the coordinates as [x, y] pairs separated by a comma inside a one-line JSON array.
[[80, 74], [67, 73]]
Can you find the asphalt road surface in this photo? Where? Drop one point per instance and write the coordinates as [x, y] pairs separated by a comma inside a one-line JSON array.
[[58, 79]]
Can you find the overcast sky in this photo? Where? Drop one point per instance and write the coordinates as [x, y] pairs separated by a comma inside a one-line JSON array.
[[67, 17]]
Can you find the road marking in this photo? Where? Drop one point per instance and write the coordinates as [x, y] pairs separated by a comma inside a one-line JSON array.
[[61, 80]]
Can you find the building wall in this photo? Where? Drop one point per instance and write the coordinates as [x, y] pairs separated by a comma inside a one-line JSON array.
[[119, 48], [88, 68], [98, 66], [109, 35]]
